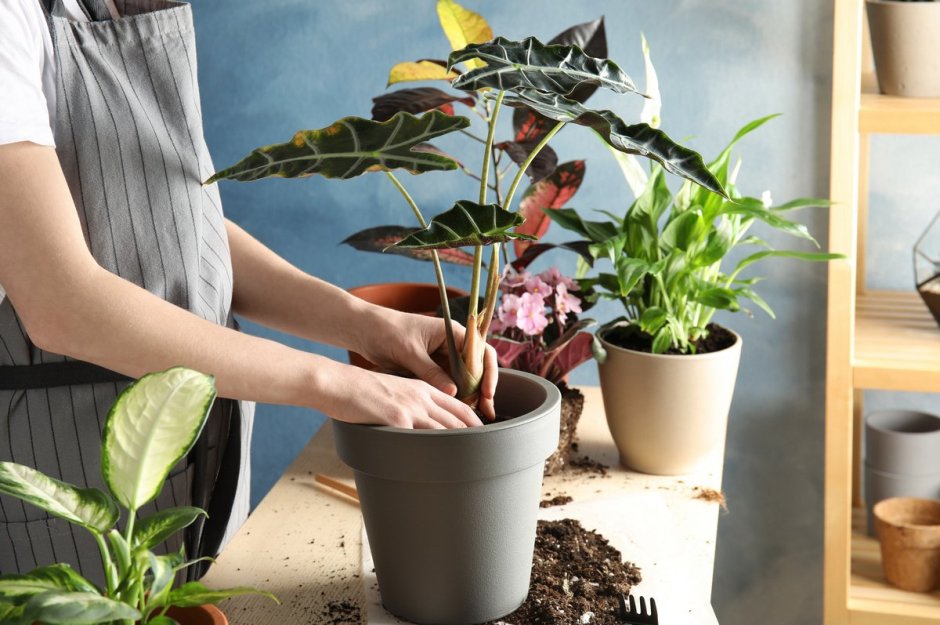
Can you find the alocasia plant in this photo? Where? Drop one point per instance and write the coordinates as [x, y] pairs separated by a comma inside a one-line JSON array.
[[528, 75], [151, 427]]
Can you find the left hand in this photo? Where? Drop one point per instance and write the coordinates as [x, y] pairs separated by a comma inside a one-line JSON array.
[[418, 344]]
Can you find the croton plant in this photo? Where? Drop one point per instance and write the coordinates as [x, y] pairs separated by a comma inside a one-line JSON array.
[[547, 84]]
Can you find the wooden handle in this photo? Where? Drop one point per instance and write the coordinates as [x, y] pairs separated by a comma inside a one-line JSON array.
[[349, 491]]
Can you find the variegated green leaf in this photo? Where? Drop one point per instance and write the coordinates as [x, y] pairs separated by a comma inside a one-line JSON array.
[[17, 589], [467, 223], [530, 64], [88, 507], [351, 147], [159, 526], [76, 608], [639, 139], [194, 594], [151, 426]]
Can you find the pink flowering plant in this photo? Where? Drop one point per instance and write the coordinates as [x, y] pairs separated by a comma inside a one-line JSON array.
[[536, 328]]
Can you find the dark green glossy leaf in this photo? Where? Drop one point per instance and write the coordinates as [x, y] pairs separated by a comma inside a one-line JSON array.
[[194, 594], [541, 166], [417, 100], [350, 147], [16, 589], [383, 239], [156, 528], [629, 273], [75, 608], [641, 139], [718, 297], [530, 64], [467, 223]]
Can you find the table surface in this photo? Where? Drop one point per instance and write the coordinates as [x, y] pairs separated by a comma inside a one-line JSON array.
[[304, 542]]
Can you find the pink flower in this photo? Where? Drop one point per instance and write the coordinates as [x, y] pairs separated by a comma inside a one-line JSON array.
[[565, 302], [512, 279], [508, 310], [530, 315], [554, 277], [536, 286]]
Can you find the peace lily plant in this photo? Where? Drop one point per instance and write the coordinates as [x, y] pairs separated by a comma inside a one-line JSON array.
[[546, 81], [151, 427]]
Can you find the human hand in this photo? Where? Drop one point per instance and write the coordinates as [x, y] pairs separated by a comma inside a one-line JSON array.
[[418, 344], [359, 396]]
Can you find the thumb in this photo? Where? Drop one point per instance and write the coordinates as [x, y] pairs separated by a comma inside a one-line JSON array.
[[431, 372]]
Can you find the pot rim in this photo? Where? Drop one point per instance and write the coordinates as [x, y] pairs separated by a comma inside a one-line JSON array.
[[880, 506], [902, 3], [870, 422], [736, 345], [533, 415], [898, 476]]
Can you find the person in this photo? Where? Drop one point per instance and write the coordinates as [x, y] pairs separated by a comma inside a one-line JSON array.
[[116, 261]]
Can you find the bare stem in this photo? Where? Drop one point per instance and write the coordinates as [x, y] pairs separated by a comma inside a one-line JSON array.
[[473, 136], [528, 161], [492, 286], [489, 147]]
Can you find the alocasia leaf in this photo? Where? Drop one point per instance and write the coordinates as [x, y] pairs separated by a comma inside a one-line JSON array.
[[548, 194], [351, 147], [530, 64], [462, 27], [383, 239], [426, 69], [639, 139], [416, 100], [541, 166], [537, 249], [467, 223]]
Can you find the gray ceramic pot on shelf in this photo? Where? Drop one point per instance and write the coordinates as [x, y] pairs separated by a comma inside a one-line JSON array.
[[902, 457], [451, 514], [905, 42]]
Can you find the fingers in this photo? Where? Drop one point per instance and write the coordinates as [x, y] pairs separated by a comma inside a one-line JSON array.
[[488, 383], [459, 410], [431, 372]]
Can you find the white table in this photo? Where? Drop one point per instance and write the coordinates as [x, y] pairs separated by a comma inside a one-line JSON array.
[[303, 542]]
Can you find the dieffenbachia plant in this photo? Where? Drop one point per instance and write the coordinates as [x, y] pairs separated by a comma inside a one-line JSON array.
[[524, 74], [151, 427]]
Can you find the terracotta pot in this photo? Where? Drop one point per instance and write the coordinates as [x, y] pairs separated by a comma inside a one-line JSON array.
[[905, 41], [412, 297], [201, 615], [667, 413], [909, 531], [451, 514], [572, 405]]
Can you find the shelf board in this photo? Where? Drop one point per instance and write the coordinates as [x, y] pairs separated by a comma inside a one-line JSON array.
[[897, 343], [871, 599], [879, 113]]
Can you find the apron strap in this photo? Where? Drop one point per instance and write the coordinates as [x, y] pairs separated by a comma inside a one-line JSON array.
[[48, 375]]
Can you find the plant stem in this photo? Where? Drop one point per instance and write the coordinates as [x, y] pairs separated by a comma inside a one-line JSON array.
[[473, 136], [475, 281], [485, 174], [528, 161], [108, 563], [492, 286]]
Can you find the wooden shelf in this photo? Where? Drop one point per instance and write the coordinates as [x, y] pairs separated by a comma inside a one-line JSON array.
[[887, 114], [897, 343], [872, 601]]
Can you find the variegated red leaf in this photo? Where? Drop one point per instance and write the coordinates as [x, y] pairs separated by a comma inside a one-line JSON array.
[[547, 194]]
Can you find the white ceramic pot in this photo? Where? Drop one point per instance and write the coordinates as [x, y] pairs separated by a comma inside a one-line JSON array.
[[905, 41], [668, 413]]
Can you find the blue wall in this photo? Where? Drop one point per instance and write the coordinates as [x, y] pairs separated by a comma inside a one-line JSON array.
[[270, 68]]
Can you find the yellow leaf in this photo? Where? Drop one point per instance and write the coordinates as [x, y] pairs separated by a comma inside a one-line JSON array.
[[462, 27], [418, 70]]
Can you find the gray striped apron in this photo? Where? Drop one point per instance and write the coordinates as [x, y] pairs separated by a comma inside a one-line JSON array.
[[129, 138]]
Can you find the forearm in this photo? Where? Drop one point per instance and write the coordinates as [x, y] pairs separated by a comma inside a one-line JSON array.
[[272, 292]]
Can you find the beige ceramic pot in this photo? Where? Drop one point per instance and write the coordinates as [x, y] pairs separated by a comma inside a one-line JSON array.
[[905, 41], [668, 413], [909, 531]]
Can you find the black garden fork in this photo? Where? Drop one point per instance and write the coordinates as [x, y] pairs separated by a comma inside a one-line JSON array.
[[632, 616]]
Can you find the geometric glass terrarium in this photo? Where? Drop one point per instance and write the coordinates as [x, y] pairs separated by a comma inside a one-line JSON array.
[[927, 266]]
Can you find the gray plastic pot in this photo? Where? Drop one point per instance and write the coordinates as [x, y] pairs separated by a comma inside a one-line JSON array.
[[667, 413], [905, 41], [451, 514], [881, 485]]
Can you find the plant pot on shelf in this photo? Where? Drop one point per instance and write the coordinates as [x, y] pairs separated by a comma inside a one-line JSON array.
[[909, 532], [905, 42], [200, 615], [572, 405], [451, 514], [667, 413], [411, 297], [927, 265]]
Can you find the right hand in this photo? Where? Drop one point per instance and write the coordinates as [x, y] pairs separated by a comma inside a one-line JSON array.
[[368, 397]]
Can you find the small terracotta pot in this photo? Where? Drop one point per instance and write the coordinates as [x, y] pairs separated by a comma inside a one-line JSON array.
[[411, 297], [572, 405], [909, 531], [201, 615]]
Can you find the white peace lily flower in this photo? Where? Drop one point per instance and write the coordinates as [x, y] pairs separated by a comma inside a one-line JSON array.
[[766, 199]]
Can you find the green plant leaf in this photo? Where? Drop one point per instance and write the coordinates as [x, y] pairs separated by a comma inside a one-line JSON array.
[[416, 100], [194, 594], [684, 230], [16, 589], [122, 553], [663, 340], [752, 207], [351, 147], [652, 320], [426, 69], [808, 202], [163, 619], [382, 239], [75, 608], [639, 139], [629, 273], [757, 299], [156, 528], [595, 231], [717, 297], [809, 256], [88, 507], [462, 27], [162, 571], [467, 223], [530, 64], [10, 613], [152, 425]]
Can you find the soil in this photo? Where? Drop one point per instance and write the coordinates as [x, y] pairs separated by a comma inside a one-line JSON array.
[[711, 495], [577, 577], [572, 404], [630, 337], [930, 292], [342, 613], [581, 465], [557, 500]]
